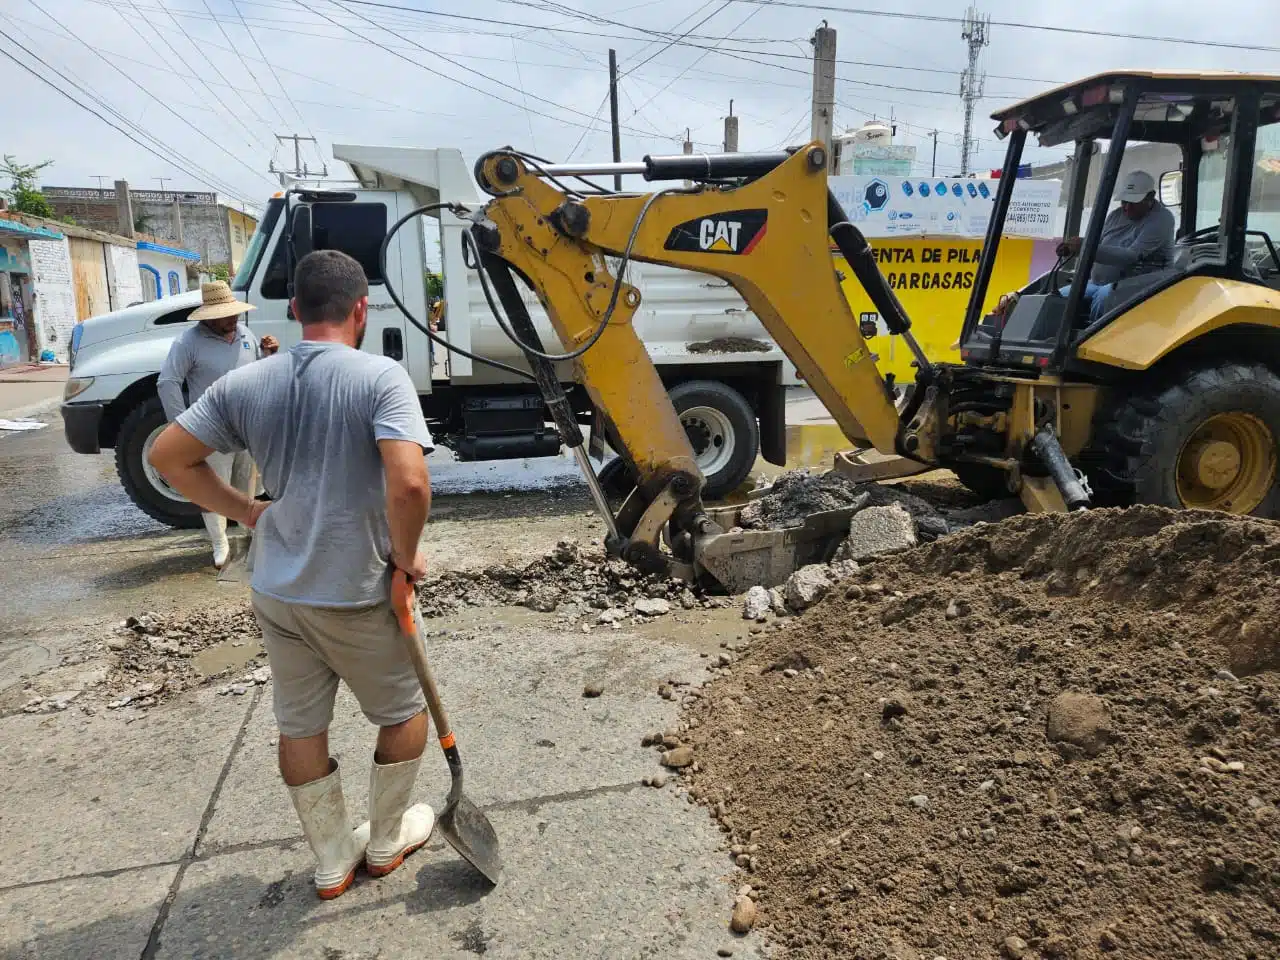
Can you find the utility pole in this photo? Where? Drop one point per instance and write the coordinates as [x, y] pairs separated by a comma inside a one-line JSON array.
[[161, 181], [688, 149], [975, 31], [613, 116], [824, 88], [933, 167], [100, 179], [730, 131], [300, 170]]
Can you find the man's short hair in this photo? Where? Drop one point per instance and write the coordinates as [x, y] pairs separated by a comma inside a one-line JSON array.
[[326, 286]]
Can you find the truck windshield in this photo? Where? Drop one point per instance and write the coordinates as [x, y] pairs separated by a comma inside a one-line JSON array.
[[253, 253]]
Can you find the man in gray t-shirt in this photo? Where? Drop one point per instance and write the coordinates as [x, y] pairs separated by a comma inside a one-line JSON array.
[[341, 441]]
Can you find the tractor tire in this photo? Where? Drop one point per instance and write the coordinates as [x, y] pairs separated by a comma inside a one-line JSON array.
[[140, 481], [1206, 440], [988, 482]]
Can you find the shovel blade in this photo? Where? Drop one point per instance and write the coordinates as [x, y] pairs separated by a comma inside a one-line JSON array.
[[472, 835]]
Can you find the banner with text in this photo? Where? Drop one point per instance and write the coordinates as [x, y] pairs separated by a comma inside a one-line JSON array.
[[896, 206]]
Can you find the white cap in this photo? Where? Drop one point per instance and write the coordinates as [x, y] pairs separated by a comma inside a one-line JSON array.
[[1136, 187]]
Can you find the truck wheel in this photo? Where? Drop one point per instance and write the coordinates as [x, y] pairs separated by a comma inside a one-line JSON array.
[[1205, 441], [723, 430], [146, 488]]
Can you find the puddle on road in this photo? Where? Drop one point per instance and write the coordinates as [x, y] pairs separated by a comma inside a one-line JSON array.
[[224, 656]]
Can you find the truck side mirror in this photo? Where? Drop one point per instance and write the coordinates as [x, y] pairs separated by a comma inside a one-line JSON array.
[[1171, 188], [300, 233]]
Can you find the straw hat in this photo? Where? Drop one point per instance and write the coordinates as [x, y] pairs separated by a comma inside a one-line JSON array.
[[217, 301]]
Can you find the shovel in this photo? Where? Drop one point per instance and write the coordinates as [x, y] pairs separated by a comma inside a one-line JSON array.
[[461, 822]]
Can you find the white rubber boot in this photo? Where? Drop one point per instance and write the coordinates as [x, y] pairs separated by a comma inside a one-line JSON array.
[[395, 828], [216, 524], [338, 849]]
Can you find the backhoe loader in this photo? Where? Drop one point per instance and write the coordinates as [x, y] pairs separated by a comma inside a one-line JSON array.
[[1170, 396]]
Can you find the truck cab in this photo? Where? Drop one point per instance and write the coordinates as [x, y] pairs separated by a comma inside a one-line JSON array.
[[725, 375]]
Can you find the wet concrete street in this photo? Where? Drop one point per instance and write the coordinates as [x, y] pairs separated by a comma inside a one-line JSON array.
[[165, 832]]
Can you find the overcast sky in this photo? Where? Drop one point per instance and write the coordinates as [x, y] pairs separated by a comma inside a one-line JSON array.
[[192, 74]]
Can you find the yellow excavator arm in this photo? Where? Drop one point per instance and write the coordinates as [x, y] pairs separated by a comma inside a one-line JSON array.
[[770, 237]]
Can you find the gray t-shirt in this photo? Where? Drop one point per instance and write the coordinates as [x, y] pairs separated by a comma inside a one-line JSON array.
[[1132, 247], [197, 358], [311, 419]]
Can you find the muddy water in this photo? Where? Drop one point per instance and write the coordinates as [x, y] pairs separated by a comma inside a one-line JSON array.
[[229, 654]]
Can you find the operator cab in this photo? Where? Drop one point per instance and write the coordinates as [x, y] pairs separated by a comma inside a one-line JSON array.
[[1221, 177]]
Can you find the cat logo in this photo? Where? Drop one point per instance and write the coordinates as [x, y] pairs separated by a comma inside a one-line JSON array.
[[735, 232]]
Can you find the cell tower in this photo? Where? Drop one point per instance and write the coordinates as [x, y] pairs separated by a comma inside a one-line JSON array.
[[975, 31]]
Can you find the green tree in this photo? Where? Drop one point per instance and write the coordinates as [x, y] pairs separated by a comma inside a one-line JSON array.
[[435, 286], [24, 194], [219, 271]]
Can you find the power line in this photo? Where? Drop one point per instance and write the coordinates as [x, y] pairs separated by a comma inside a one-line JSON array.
[[206, 179], [270, 66], [181, 59], [244, 63], [469, 86], [1015, 25], [671, 43], [697, 60], [148, 93]]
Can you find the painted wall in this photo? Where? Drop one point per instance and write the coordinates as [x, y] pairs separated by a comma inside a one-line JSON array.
[[240, 228], [168, 272], [122, 276], [55, 297]]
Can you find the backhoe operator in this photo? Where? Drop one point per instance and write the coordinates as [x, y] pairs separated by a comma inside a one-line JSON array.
[[1137, 238]]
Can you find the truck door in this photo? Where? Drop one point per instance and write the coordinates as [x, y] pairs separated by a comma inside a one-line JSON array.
[[356, 228]]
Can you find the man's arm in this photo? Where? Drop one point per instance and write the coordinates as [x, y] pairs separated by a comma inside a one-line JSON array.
[[180, 458], [408, 502], [404, 442], [173, 374]]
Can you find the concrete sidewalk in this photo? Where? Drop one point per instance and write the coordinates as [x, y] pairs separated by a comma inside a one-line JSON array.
[[31, 388], [172, 836]]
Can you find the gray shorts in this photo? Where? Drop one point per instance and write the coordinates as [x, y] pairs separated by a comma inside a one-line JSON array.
[[311, 648]]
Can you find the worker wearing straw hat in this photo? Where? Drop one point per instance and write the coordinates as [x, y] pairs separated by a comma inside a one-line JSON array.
[[217, 344]]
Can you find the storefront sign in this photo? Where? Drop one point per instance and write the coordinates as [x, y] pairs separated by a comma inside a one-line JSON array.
[[896, 206]]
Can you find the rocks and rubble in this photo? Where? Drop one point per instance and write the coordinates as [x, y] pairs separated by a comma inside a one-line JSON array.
[[926, 803], [574, 578]]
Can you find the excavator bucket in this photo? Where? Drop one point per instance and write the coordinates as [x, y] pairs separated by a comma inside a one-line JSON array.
[[739, 561]]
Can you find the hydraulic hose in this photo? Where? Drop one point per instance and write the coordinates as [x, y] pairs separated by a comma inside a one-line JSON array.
[[460, 210]]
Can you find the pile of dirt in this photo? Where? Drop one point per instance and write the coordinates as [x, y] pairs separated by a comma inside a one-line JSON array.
[[572, 577], [798, 494], [1057, 736], [730, 345]]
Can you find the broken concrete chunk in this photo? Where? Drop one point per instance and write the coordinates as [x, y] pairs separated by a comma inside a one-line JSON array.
[[807, 586], [651, 606], [756, 604], [744, 915], [876, 531], [677, 758], [1081, 720], [777, 602]]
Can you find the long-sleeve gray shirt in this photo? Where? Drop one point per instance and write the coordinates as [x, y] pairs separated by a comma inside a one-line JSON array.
[[1131, 247], [197, 358]]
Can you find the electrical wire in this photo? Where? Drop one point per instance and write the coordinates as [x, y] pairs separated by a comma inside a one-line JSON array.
[[461, 211], [82, 105], [271, 67], [152, 96]]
